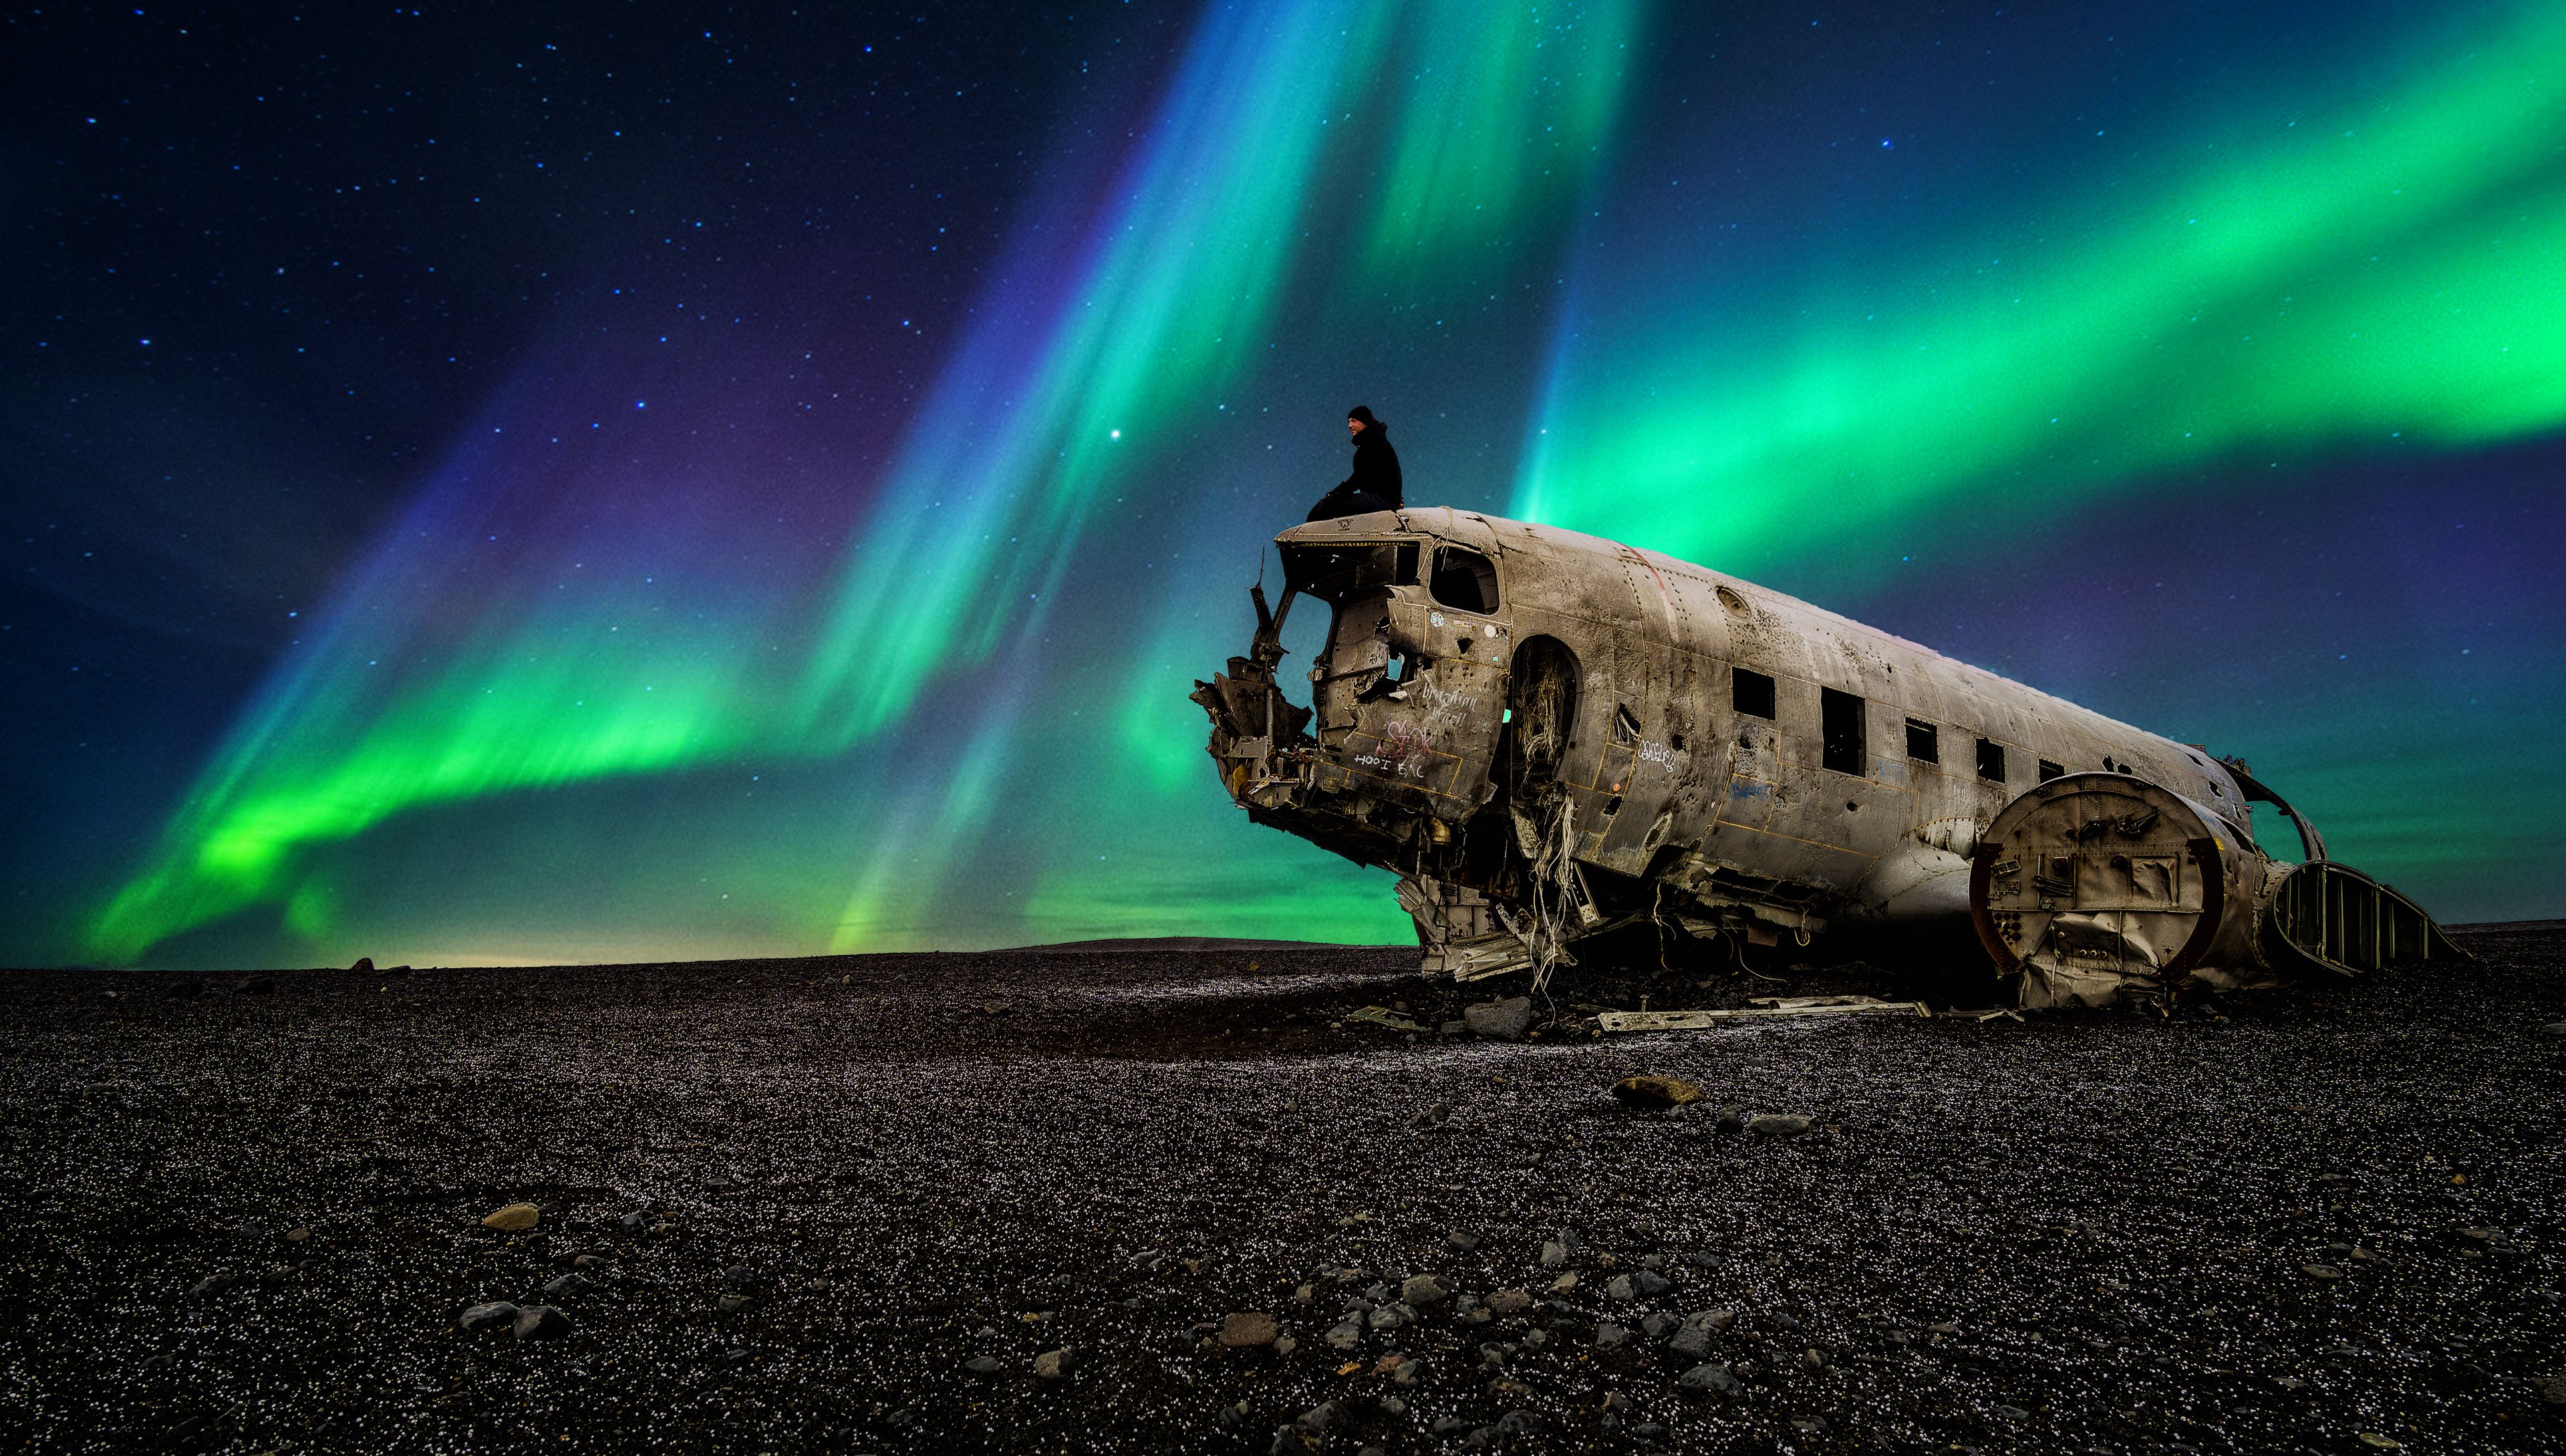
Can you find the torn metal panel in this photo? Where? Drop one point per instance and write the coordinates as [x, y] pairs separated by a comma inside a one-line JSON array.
[[1549, 736], [1678, 1021]]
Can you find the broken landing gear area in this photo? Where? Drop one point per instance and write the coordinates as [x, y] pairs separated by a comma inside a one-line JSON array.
[[1572, 751]]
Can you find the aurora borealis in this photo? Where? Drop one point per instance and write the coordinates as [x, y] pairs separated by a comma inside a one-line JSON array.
[[507, 486]]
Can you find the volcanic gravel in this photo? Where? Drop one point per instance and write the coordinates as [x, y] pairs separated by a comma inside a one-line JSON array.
[[850, 1204]]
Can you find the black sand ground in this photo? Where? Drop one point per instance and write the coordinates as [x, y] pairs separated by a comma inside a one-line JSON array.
[[2326, 1223]]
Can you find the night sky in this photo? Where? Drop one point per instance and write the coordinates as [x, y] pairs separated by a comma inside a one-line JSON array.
[[530, 483]]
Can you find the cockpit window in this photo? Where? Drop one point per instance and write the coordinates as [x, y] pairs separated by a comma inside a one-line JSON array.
[[1463, 579], [1336, 574]]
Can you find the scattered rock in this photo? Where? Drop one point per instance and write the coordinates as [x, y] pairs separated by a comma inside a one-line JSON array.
[[1620, 1289], [1612, 1337], [1505, 1020], [984, 1365], [2554, 1029], [1509, 1302], [2320, 1271], [1780, 1124], [515, 1218], [365, 965], [1655, 1092], [1564, 1283], [1463, 1242], [1553, 1254], [485, 1317], [297, 1236], [542, 1322], [213, 1284], [631, 1225], [1327, 1415], [1285, 1344], [2553, 1388], [1732, 1118], [1715, 1379], [1346, 1336], [1424, 1291], [567, 1285], [740, 1277], [1659, 1324], [1244, 1331], [732, 1303]]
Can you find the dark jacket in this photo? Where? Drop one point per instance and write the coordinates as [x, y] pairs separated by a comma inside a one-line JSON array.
[[1375, 466], [1374, 485]]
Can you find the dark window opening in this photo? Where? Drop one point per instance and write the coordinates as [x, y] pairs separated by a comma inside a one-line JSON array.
[[1337, 574], [1991, 761], [1463, 580], [1626, 726], [1922, 742], [1750, 692], [2049, 771], [1840, 721]]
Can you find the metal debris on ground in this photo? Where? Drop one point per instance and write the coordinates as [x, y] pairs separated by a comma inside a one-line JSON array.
[[1768, 1007], [1384, 1016]]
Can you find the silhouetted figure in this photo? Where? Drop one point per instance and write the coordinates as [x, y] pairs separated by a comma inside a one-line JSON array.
[[1375, 484]]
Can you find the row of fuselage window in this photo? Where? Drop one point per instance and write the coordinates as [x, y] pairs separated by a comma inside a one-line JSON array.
[[1844, 733]]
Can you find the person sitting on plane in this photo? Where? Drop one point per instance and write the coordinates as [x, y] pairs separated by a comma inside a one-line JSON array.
[[1375, 484]]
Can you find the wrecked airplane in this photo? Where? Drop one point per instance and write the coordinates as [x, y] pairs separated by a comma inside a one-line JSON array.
[[1551, 737]]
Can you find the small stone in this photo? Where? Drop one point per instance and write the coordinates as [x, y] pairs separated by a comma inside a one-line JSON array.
[[1615, 1400], [2377, 1441], [1505, 1020], [297, 1236], [1655, 1092], [1553, 1254], [1509, 1302], [2320, 1271], [1392, 1406], [1564, 1283], [1732, 1118], [1463, 1242], [2554, 1029], [1780, 1124], [740, 1277], [983, 1366], [542, 1322], [1812, 1361], [1659, 1324], [732, 1303], [1346, 1336], [1285, 1344], [1327, 1415], [2553, 1388], [1424, 1291], [365, 965], [1612, 1337], [630, 1225], [213, 1284], [587, 1261], [1388, 1317], [515, 1218], [1242, 1331], [1709, 1377], [485, 1317], [1620, 1289], [568, 1284]]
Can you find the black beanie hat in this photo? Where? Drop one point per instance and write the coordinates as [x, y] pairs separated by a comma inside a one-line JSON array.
[[1361, 412]]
